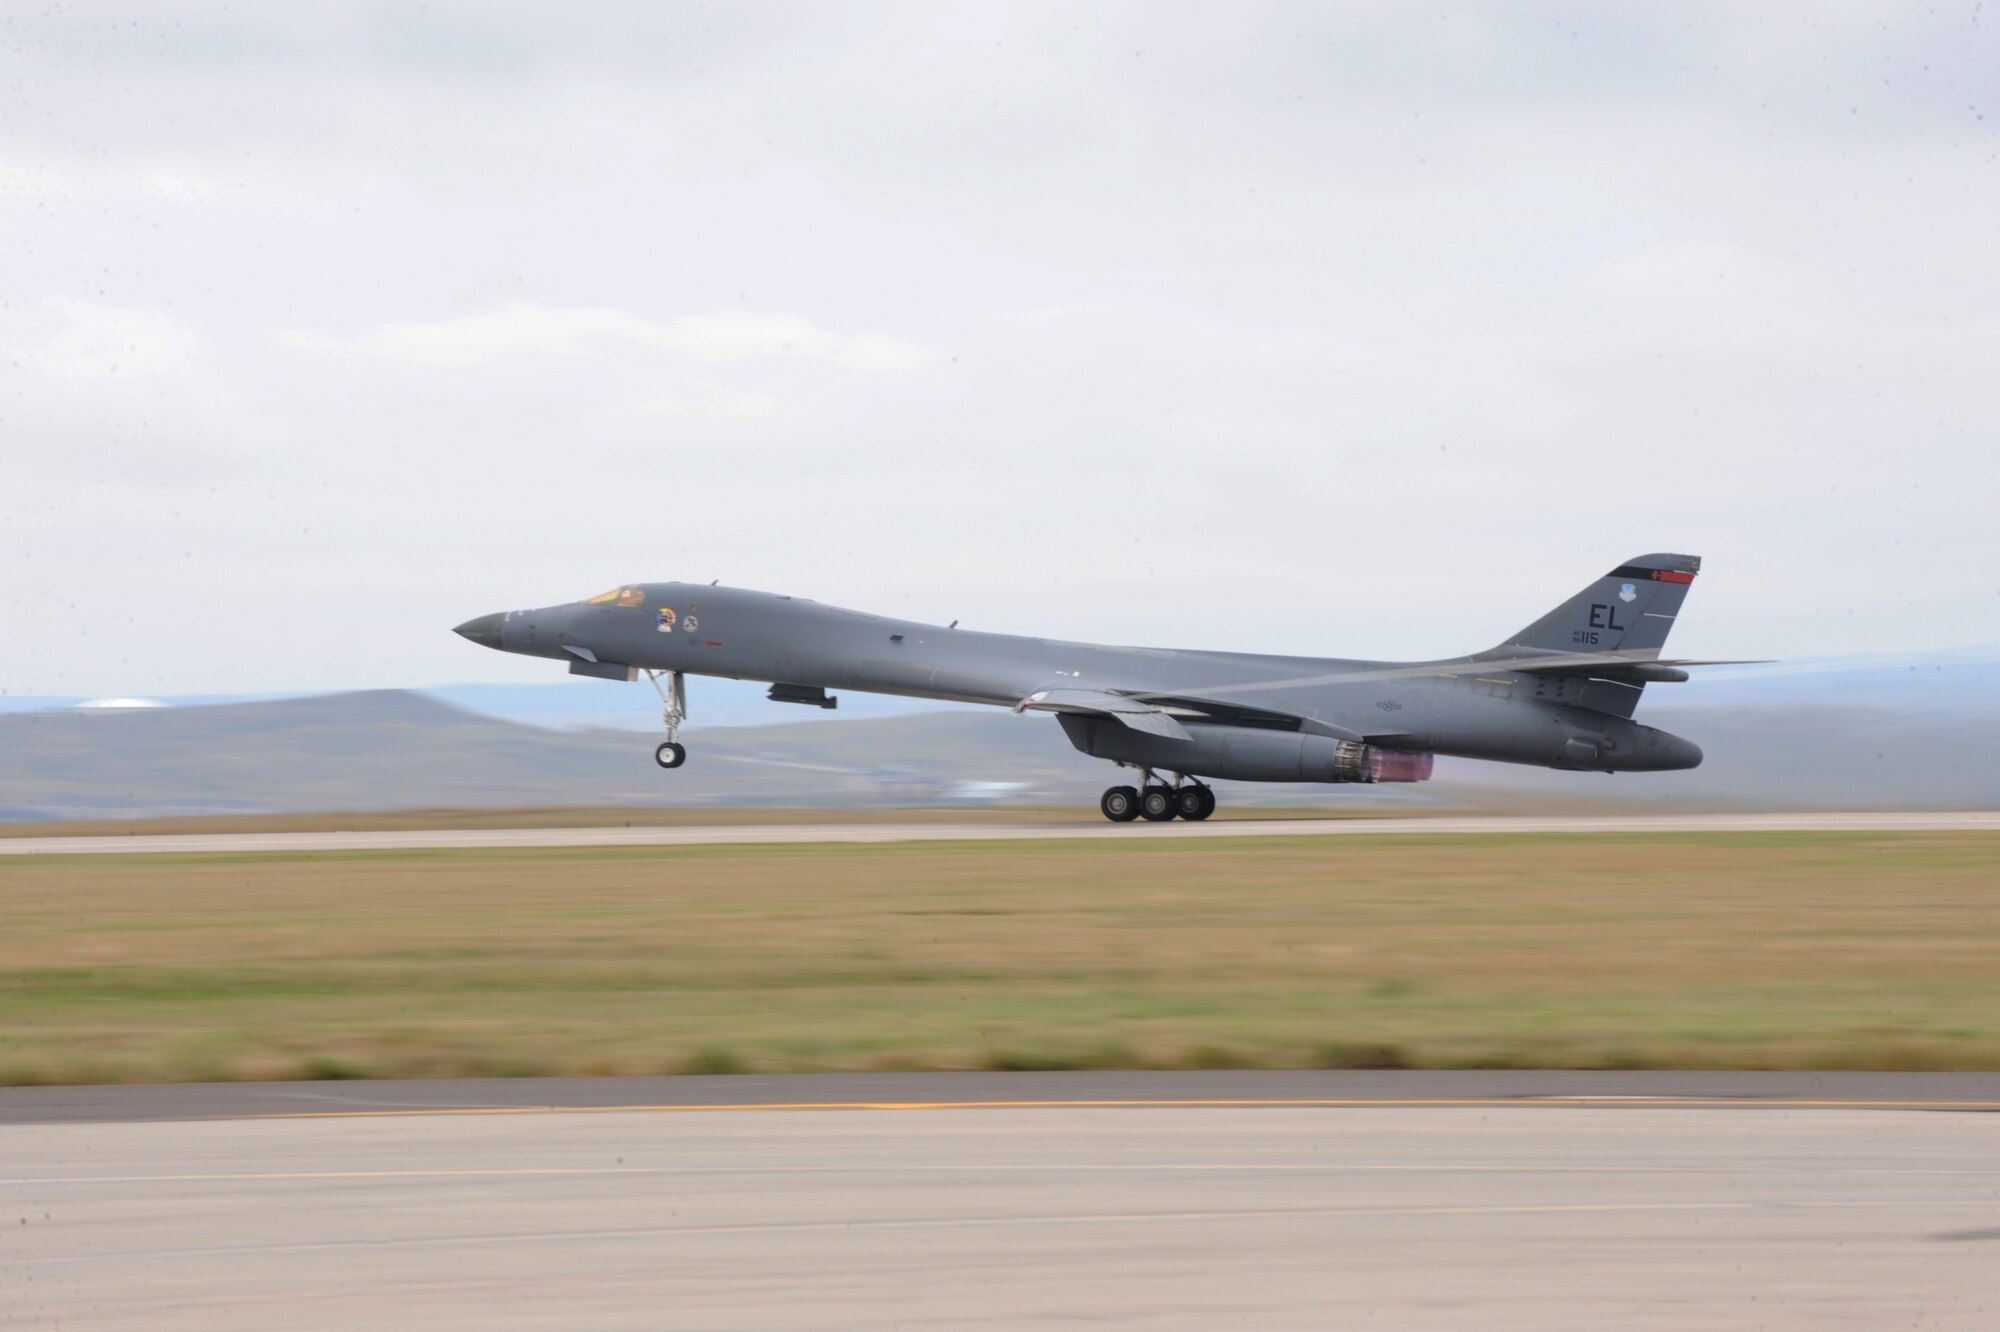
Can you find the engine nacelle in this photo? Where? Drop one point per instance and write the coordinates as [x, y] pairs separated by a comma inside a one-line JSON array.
[[1245, 753]]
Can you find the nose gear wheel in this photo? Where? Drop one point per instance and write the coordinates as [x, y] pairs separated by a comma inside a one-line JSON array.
[[673, 711]]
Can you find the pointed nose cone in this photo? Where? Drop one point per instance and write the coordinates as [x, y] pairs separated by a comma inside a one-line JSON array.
[[484, 631]]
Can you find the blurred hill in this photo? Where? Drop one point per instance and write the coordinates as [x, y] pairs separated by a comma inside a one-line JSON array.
[[392, 750], [1775, 758]]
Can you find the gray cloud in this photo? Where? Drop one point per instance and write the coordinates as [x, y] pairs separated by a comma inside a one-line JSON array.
[[1310, 329], [523, 329]]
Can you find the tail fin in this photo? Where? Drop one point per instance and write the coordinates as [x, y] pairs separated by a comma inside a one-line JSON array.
[[1628, 611]]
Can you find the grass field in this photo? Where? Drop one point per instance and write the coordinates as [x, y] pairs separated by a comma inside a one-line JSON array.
[[615, 816], [1737, 951]]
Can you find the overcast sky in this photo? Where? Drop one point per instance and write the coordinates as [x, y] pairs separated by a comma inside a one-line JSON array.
[[1366, 330]]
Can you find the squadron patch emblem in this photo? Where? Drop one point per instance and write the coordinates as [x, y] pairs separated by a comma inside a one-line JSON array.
[[1626, 592], [666, 620]]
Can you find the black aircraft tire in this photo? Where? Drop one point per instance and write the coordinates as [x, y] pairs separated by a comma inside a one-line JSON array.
[[1120, 804], [1195, 803], [670, 755], [1156, 804]]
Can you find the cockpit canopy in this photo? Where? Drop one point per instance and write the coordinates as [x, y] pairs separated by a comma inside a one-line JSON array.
[[618, 596]]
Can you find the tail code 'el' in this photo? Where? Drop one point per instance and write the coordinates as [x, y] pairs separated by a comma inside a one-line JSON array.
[[1628, 611]]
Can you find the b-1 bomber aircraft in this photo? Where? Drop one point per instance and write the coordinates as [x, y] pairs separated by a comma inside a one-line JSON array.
[[1558, 694]]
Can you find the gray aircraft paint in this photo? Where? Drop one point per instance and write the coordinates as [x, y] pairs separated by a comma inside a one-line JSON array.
[[1559, 694]]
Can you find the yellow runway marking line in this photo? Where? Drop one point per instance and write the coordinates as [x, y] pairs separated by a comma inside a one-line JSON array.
[[1534, 1102]]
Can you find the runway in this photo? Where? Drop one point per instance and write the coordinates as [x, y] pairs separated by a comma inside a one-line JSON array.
[[853, 833], [1006, 1200], [1268, 1089]]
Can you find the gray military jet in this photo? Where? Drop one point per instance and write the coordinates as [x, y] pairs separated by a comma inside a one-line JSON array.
[[1558, 694]]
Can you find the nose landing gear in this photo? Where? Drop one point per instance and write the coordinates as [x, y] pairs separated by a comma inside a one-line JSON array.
[[1157, 801], [674, 698]]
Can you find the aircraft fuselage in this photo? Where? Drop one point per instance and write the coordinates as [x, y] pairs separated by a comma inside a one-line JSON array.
[[1246, 716]]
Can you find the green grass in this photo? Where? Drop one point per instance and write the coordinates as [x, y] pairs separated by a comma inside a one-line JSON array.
[[1865, 950]]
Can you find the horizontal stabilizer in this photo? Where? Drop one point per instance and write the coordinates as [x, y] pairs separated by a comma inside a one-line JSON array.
[[1610, 666], [1138, 715]]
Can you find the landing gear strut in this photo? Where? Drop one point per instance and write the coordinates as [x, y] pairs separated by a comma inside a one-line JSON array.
[[675, 710], [1157, 801]]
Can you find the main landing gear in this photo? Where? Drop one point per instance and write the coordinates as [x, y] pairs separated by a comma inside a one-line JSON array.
[[1157, 802], [673, 753]]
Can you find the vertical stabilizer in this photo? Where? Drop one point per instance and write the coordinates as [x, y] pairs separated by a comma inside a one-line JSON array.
[[1628, 611]]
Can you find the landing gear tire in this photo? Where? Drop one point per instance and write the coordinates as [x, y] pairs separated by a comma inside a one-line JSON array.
[[1194, 803], [1157, 804], [673, 711], [1120, 804]]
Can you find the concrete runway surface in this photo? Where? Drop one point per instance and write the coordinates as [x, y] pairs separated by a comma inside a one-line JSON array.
[[1202, 1200], [476, 838]]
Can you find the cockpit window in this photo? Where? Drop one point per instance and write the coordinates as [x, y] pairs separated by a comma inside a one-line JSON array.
[[619, 596]]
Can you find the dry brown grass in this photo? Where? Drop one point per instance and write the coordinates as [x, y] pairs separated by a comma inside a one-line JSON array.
[[617, 816], [1778, 950]]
